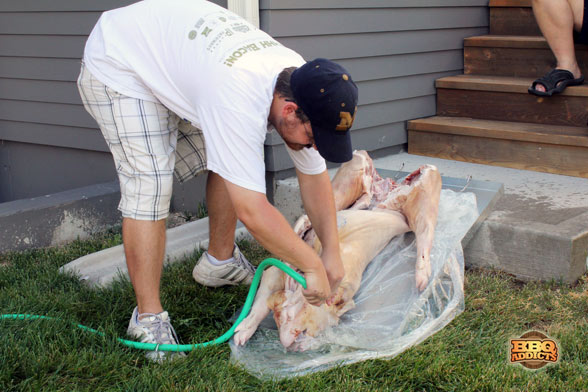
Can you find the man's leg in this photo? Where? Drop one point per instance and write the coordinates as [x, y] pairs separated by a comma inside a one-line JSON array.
[[142, 137], [223, 263], [144, 243], [222, 219], [557, 20]]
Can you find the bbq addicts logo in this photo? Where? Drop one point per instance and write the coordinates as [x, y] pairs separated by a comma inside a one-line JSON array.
[[533, 350]]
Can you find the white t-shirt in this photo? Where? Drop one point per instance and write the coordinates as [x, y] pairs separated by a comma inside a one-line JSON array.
[[208, 66]]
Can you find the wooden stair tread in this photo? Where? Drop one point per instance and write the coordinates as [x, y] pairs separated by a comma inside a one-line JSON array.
[[522, 155], [507, 41], [511, 41], [510, 3], [500, 84], [528, 132]]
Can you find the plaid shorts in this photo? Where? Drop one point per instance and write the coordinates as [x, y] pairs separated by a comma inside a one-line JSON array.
[[148, 143]]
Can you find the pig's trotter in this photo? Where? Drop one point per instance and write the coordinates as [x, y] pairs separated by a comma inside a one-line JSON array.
[[422, 273], [245, 330], [249, 325]]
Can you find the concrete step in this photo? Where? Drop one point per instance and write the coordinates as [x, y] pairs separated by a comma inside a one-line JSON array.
[[58, 218], [512, 17], [519, 56], [101, 268], [546, 148], [502, 98]]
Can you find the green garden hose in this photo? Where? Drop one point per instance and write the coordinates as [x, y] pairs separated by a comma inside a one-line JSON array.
[[189, 347]]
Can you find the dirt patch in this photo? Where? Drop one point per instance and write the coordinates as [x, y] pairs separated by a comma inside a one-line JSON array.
[[478, 303], [179, 218], [539, 325]]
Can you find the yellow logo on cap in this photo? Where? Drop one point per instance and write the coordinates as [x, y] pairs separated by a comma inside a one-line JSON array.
[[346, 120]]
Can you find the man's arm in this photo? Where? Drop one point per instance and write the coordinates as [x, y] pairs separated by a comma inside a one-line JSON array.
[[269, 227], [319, 203]]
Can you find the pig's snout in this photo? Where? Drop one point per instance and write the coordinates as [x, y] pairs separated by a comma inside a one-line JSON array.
[[295, 340], [288, 336]]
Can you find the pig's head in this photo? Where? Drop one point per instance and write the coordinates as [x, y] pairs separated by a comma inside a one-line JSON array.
[[298, 321]]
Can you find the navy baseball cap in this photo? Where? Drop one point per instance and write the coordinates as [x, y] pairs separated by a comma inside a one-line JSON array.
[[328, 96]]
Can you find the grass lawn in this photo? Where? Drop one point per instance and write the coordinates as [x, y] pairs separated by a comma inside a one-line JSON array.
[[470, 354]]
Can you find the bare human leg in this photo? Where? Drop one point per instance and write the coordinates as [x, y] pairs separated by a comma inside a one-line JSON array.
[[557, 19], [222, 219], [144, 243]]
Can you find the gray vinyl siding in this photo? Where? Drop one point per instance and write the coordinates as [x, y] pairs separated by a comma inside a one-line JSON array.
[[394, 50]]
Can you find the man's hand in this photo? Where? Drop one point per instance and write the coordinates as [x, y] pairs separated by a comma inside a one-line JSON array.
[[317, 286]]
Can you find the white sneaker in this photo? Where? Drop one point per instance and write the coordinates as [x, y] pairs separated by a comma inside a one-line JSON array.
[[154, 328], [236, 272]]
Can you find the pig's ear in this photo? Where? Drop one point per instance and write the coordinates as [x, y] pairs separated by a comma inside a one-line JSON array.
[[345, 308]]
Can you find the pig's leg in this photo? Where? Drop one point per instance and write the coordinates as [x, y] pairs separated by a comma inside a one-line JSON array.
[[363, 203], [417, 198], [352, 188], [352, 180], [271, 281], [302, 225], [421, 209]]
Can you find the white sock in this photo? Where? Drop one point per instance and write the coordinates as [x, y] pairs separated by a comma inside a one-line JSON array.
[[214, 261]]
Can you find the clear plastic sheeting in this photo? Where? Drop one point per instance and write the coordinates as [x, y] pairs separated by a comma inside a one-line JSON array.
[[391, 315]]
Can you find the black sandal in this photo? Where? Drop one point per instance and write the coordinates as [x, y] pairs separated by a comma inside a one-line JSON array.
[[555, 81]]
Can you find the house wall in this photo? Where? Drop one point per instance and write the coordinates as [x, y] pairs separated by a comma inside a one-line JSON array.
[[48, 143], [393, 49]]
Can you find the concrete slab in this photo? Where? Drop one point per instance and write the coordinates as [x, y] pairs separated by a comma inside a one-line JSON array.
[[101, 268], [55, 219], [538, 230]]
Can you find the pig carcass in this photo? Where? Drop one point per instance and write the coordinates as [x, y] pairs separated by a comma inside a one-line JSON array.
[[371, 211]]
